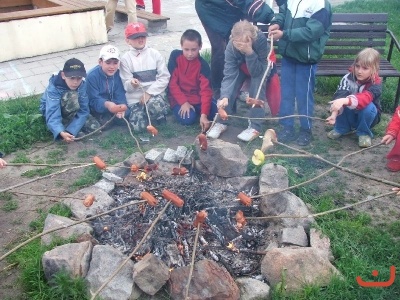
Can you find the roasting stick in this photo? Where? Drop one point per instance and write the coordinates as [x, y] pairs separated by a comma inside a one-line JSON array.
[[66, 226], [192, 263], [133, 252]]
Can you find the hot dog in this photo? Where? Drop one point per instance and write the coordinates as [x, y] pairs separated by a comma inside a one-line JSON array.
[[175, 199]]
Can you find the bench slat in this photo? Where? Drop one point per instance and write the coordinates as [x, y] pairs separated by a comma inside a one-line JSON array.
[[373, 43], [359, 28], [360, 17], [356, 35]]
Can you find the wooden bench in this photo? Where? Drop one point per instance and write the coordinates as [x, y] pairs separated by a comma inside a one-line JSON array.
[[24, 9], [352, 32], [155, 22]]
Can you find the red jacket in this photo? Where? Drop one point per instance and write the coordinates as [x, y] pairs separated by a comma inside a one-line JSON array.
[[393, 127], [189, 81]]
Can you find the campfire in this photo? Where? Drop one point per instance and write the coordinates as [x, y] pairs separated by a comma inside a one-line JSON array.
[[223, 238]]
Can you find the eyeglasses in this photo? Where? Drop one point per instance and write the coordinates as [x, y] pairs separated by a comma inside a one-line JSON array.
[[75, 78]]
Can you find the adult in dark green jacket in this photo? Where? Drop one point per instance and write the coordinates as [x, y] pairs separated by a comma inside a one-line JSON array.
[[302, 28], [218, 17]]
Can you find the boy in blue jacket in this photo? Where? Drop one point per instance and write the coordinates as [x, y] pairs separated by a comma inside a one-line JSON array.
[[65, 105], [104, 85]]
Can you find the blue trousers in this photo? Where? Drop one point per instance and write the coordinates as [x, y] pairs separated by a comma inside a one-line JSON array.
[[360, 120], [194, 115], [297, 87]]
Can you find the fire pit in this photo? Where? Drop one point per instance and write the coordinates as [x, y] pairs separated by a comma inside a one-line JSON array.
[[222, 240]]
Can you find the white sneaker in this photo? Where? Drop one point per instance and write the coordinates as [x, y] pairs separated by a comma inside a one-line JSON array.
[[216, 130], [248, 134]]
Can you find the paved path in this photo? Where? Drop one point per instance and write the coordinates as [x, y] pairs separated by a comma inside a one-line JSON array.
[[26, 76]]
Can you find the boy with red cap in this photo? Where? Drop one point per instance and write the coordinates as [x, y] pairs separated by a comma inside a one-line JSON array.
[[145, 77]]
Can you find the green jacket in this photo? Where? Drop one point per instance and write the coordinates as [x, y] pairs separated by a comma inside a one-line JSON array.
[[306, 25]]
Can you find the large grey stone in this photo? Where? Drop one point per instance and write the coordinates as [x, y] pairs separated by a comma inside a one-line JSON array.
[[301, 266], [253, 289], [321, 243], [72, 258], [105, 260], [54, 221], [223, 159], [294, 236], [150, 274], [102, 202]]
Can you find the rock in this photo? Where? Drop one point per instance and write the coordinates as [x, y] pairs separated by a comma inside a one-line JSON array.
[[105, 260], [105, 185], [102, 202], [253, 289], [294, 236], [73, 258], [223, 159], [170, 156], [274, 178], [209, 281], [112, 177], [154, 155], [150, 274], [54, 221], [321, 243], [137, 159], [301, 266], [244, 183], [119, 171]]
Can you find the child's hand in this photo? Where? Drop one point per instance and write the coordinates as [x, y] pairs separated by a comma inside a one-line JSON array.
[[331, 120], [337, 104], [67, 137], [204, 123], [387, 139], [244, 46], [184, 112], [3, 163], [135, 82], [145, 98], [222, 103]]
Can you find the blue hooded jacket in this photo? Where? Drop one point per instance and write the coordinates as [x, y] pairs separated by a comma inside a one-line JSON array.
[[50, 107]]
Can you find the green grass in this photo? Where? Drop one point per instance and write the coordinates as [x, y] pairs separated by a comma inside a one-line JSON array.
[[21, 124]]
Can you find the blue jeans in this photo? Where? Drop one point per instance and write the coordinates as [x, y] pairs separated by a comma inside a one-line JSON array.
[[360, 120], [194, 115], [297, 86]]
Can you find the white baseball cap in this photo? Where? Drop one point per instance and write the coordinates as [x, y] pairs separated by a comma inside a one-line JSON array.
[[108, 52]]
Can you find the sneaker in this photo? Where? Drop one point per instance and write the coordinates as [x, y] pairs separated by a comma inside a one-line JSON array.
[[304, 138], [393, 165], [334, 135], [216, 130], [140, 7], [364, 141], [287, 134], [248, 134]]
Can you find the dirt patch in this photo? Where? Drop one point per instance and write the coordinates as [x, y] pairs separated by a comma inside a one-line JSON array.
[[15, 224]]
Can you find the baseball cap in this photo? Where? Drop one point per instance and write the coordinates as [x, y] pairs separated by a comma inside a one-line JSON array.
[[108, 52], [74, 67], [135, 30]]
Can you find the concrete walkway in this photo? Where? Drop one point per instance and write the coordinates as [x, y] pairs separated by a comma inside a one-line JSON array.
[[27, 76]]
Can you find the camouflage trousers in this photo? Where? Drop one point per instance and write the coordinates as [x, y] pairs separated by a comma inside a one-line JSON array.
[[157, 108], [69, 108]]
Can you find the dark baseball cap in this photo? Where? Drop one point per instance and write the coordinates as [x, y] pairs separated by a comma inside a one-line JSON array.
[[73, 68]]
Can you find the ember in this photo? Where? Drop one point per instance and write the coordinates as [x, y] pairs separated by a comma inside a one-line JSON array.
[[172, 240]]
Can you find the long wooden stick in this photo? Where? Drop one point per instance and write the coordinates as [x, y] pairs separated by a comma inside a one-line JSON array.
[[192, 263], [93, 132], [133, 252], [43, 177], [66, 226]]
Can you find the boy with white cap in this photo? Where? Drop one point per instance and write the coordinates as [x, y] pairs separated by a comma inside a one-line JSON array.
[[104, 86], [145, 77]]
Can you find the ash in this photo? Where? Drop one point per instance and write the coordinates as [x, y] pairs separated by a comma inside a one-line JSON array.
[[172, 239]]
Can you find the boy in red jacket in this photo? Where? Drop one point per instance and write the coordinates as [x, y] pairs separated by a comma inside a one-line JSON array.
[[189, 89], [393, 133]]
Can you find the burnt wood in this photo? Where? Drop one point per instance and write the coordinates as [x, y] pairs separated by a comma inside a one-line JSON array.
[[352, 32]]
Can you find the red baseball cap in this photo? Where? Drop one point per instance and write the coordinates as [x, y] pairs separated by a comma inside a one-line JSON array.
[[135, 30]]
